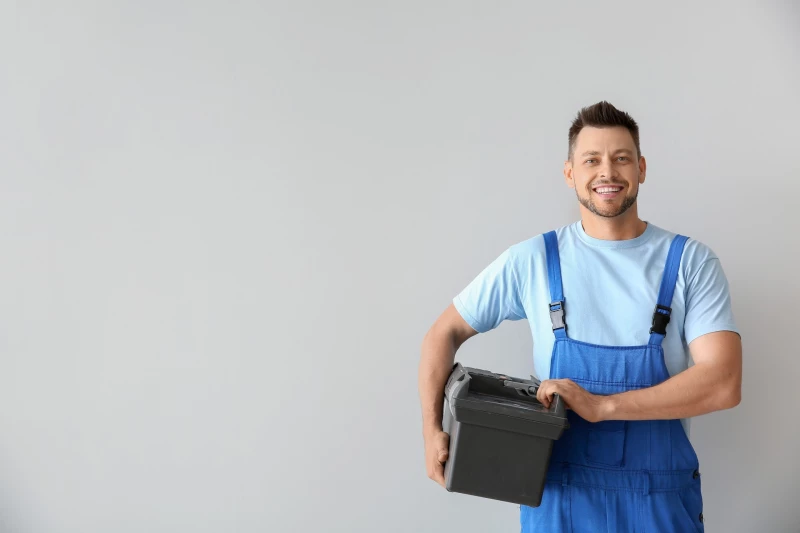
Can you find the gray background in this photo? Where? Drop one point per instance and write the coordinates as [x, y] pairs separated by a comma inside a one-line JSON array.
[[226, 227]]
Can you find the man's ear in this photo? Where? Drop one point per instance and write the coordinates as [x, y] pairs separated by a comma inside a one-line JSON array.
[[568, 174], [642, 169]]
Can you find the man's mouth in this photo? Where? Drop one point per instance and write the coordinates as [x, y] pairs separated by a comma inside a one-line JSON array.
[[607, 191]]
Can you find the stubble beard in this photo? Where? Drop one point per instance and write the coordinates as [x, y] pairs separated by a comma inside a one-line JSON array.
[[591, 206]]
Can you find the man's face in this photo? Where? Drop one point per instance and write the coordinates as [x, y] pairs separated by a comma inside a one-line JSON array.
[[604, 170]]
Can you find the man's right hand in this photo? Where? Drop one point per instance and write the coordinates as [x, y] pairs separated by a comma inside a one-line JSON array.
[[436, 364], [436, 452]]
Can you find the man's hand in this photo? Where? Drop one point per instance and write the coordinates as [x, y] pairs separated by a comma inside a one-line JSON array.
[[590, 407], [436, 451]]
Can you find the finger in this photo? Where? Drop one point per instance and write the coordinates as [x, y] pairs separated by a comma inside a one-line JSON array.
[[556, 387], [541, 394], [552, 392], [443, 447], [438, 475]]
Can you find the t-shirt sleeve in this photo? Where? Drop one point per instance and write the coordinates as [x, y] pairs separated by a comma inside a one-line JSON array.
[[708, 302], [493, 296]]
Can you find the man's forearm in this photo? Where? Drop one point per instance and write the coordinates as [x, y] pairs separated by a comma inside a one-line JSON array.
[[699, 390], [436, 363]]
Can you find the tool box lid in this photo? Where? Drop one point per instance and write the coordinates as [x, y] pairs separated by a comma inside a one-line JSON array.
[[498, 394]]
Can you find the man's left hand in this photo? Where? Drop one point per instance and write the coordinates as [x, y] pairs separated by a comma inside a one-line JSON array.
[[590, 407]]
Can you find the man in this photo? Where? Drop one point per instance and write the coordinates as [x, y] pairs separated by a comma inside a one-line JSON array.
[[632, 327]]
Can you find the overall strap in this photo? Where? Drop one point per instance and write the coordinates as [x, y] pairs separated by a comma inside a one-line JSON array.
[[557, 315], [662, 312]]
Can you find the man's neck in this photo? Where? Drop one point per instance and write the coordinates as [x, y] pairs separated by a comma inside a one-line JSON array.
[[622, 228]]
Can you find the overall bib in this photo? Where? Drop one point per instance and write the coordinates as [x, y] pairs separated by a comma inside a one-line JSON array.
[[617, 476]]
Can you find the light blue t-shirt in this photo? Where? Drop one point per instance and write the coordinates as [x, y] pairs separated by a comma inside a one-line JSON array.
[[610, 293]]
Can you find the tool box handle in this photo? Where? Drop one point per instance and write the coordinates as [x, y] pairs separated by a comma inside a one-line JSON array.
[[522, 388]]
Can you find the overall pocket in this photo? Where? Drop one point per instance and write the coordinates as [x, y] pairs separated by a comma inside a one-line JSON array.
[[673, 511], [605, 443]]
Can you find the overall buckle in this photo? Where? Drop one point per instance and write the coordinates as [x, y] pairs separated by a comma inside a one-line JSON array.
[[661, 319], [557, 315]]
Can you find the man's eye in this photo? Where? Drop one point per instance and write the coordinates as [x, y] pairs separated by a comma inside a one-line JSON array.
[[622, 157], [589, 160]]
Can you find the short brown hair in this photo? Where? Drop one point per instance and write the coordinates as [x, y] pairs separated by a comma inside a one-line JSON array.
[[602, 115]]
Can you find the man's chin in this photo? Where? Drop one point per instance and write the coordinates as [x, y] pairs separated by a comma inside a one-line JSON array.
[[607, 213], [611, 214]]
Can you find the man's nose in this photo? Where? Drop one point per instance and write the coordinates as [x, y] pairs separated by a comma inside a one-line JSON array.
[[606, 169]]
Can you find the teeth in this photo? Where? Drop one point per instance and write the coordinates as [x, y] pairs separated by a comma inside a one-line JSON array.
[[608, 189]]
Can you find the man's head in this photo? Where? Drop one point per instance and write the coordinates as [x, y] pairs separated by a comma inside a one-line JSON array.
[[604, 163]]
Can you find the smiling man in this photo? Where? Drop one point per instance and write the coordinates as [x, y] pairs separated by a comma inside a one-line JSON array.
[[632, 325]]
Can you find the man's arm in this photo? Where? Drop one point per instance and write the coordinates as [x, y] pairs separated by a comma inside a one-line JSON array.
[[439, 348], [714, 383]]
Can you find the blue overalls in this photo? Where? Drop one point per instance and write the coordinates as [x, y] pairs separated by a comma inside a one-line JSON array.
[[617, 476]]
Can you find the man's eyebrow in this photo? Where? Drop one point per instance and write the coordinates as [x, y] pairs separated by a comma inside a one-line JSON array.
[[595, 152]]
